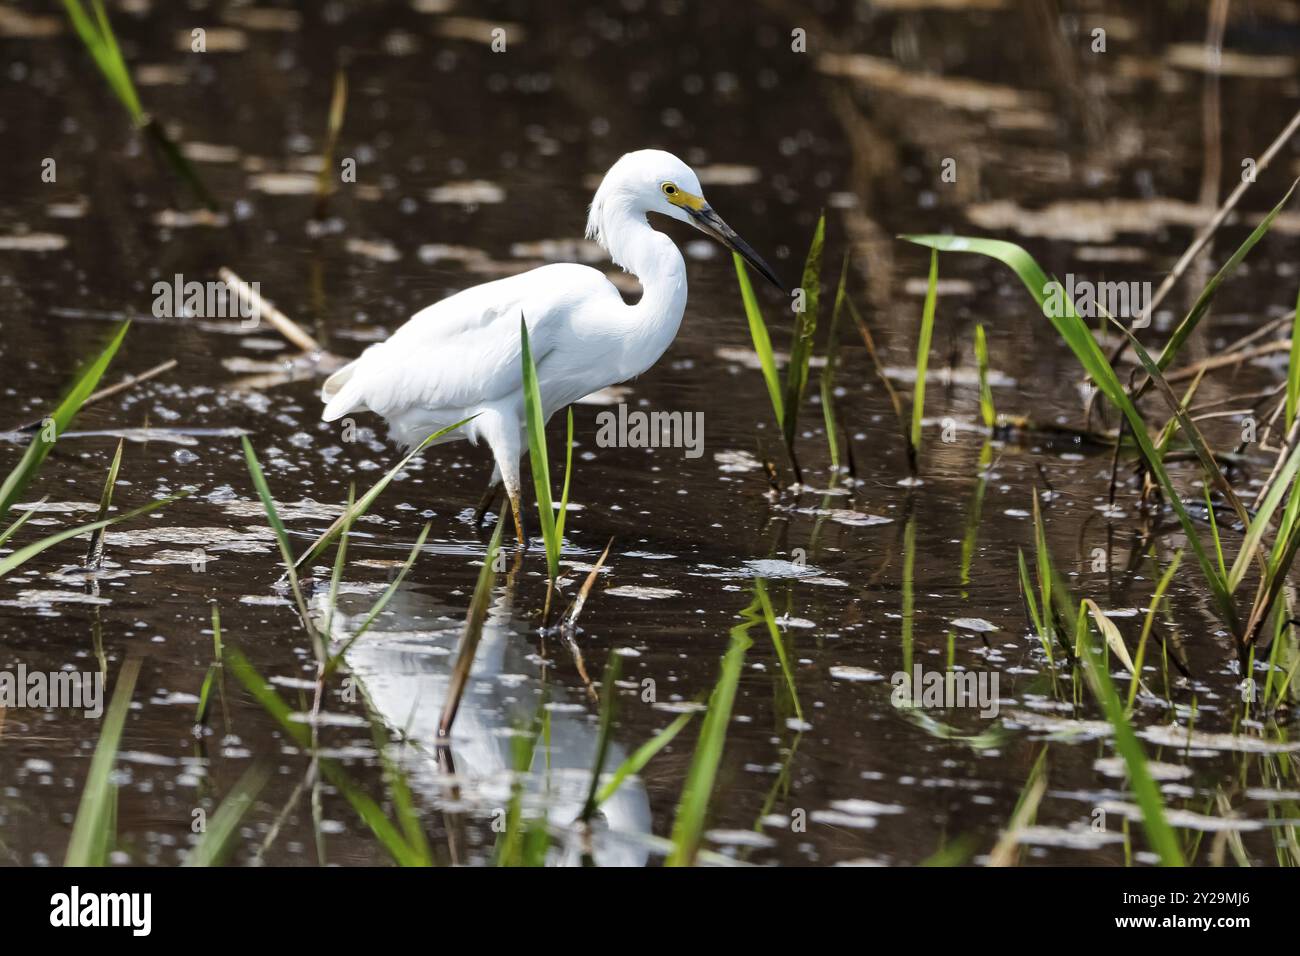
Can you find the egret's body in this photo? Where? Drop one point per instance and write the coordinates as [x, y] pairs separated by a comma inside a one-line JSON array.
[[460, 358]]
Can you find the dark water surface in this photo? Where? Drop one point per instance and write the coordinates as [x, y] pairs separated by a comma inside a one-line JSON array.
[[473, 164]]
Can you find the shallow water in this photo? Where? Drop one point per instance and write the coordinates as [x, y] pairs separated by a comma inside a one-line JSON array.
[[473, 164]]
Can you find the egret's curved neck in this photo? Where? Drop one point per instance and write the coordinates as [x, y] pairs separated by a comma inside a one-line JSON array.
[[650, 326]]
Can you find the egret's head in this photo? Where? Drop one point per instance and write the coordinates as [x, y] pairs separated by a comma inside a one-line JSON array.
[[651, 180]]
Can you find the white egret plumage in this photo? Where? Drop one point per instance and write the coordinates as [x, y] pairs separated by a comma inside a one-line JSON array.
[[461, 357]]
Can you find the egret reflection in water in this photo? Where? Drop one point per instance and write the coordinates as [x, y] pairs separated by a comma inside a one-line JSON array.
[[403, 664]]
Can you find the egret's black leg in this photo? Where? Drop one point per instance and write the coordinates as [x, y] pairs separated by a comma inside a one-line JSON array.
[[486, 502]]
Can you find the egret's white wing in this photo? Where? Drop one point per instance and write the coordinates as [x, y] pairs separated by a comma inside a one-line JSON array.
[[465, 350]]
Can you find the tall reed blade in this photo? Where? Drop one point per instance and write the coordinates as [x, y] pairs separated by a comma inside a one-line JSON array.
[[827, 383], [469, 641], [1159, 833], [90, 829], [801, 343], [642, 756], [101, 42], [325, 180], [534, 418], [282, 541], [95, 550], [923, 354], [57, 423], [987, 412], [609, 699], [693, 808], [98, 37], [378, 607], [1202, 303], [762, 341], [216, 843], [24, 554]]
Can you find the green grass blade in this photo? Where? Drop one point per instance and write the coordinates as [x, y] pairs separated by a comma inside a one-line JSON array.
[[215, 843], [94, 813], [120, 77], [1159, 833], [1148, 623], [608, 701], [923, 352], [987, 412], [568, 473], [827, 383], [1202, 304], [1285, 530], [642, 756], [469, 641], [340, 558], [692, 809], [1031, 605], [213, 669], [762, 341], [26, 516], [365, 501], [533, 417], [95, 550], [58, 422], [805, 330], [24, 554], [384, 598], [778, 643], [282, 541], [1281, 486], [102, 45]]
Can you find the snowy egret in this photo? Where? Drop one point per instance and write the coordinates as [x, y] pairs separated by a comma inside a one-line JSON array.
[[461, 357]]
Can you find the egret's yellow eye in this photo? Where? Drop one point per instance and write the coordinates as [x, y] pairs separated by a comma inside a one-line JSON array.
[[669, 189]]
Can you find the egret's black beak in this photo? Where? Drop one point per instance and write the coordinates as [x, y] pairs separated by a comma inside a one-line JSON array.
[[710, 223]]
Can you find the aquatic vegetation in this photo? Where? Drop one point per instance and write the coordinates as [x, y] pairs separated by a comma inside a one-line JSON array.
[[102, 44], [1095, 669], [1007, 850], [22, 474], [214, 669], [551, 524], [923, 356], [95, 828], [697, 791], [827, 380], [412, 710], [469, 641], [788, 397], [95, 550], [282, 541], [762, 342], [806, 311], [404, 851], [1079, 338], [325, 181], [987, 412], [359, 507], [57, 423], [1159, 833], [219, 833]]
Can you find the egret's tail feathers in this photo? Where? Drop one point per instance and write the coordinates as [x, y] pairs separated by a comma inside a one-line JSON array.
[[341, 394]]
